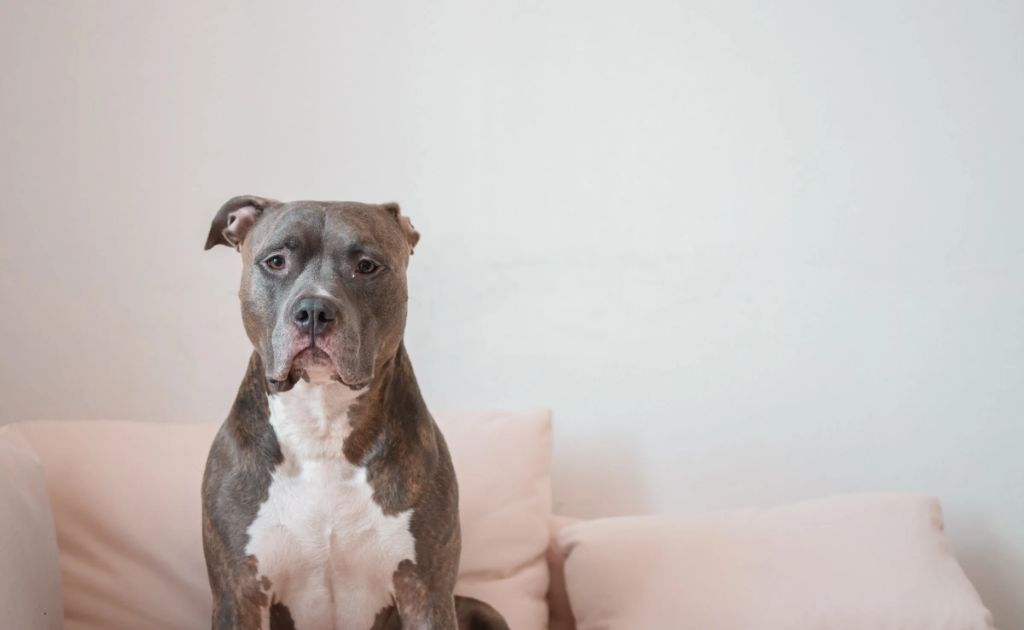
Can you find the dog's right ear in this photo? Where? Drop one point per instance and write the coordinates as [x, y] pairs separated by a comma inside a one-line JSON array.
[[234, 220]]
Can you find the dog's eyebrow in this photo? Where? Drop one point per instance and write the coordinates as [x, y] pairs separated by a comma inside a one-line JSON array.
[[365, 248], [288, 243]]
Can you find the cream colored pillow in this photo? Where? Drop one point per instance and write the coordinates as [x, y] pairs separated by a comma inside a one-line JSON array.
[[30, 595], [126, 501], [876, 562]]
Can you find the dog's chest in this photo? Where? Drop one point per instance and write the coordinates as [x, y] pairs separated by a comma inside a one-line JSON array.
[[327, 549]]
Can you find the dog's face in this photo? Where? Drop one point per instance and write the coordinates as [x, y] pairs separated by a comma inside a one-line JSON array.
[[323, 288]]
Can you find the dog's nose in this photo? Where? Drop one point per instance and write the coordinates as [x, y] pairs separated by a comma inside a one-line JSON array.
[[313, 315]]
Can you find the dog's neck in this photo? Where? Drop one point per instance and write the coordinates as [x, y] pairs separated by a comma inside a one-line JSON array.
[[311, 419], [391, 405]]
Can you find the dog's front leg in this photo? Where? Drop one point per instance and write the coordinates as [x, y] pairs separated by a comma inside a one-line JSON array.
[[419, 606]]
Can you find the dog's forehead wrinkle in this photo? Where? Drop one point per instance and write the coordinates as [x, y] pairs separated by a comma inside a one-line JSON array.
[[275, 226], [339, 227]]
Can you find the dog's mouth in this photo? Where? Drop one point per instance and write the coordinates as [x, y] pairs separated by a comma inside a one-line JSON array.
[[314, 365]]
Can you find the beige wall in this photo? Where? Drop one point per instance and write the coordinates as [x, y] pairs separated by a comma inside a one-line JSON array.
[[748, 252]]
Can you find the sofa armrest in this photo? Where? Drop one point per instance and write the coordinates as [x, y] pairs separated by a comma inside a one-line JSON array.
[[30, 585]]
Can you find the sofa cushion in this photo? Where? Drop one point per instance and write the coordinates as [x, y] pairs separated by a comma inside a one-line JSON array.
[[845, 563], [126, 501], [503, 463], [30, 593]]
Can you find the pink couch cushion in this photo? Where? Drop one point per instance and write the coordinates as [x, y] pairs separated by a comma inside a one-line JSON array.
[[846, 563], [125, 498]]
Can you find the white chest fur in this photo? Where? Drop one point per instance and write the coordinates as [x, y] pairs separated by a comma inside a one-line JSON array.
[[327, 548]]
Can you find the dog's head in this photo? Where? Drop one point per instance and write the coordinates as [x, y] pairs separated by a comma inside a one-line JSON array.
[[323, 285]]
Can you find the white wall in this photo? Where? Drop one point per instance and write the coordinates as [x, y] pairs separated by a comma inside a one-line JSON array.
[[749, 252]]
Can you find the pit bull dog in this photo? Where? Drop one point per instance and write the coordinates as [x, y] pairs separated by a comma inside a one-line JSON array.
[[329, 498]]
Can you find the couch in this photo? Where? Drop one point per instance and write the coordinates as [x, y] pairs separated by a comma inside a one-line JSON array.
[[99, 529]]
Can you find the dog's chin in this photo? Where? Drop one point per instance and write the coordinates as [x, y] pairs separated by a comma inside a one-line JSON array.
[[315, 366], [311, 365]]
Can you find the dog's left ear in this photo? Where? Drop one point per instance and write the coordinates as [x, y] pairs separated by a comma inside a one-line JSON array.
[[411, 234], [235, 218]]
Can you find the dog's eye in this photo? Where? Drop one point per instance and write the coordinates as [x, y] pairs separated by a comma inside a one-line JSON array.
[[366, 266], [275, 262]]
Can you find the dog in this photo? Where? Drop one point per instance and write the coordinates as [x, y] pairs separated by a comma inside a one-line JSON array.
[[329, 497]]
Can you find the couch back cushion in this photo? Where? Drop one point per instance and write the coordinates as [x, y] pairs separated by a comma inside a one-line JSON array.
[[126, 503], [845, 563], [30, 595]]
